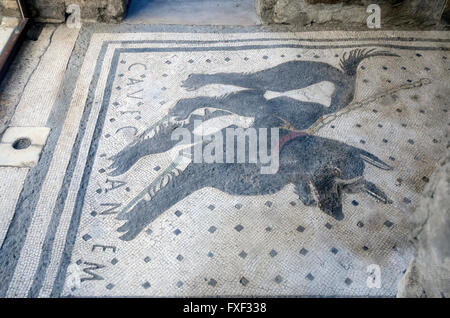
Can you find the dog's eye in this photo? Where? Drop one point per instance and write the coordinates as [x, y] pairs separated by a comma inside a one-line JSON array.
[[337, 172]]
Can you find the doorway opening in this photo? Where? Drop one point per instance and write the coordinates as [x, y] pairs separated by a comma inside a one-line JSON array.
[[193, 12]]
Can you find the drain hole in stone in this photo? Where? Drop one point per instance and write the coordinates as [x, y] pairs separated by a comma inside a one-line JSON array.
[[22, 143]]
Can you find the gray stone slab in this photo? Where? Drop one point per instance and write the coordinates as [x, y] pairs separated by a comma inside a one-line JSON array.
[[22, 146]]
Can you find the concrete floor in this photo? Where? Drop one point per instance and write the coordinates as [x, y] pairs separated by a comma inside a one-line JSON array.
[[85, 205], [193, 12]]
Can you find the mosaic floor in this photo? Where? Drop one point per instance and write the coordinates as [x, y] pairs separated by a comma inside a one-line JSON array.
[[363, 114]]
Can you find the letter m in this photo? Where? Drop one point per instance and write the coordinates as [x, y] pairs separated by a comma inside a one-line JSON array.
[[88, 270]]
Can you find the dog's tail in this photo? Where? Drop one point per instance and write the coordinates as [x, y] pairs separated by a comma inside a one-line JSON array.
[[350, 63]]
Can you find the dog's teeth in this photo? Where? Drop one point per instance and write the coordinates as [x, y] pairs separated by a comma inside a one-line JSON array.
[[199, 112], [147, 196]]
